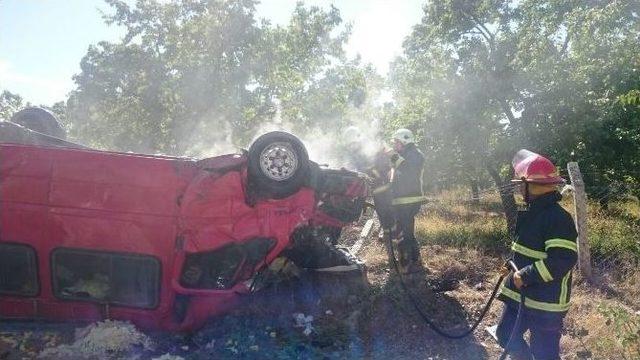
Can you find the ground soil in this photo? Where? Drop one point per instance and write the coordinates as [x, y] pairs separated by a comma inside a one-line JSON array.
[[375, 321]]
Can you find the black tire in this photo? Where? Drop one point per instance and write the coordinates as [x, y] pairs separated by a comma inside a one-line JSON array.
[[39, 120], [278, 180]]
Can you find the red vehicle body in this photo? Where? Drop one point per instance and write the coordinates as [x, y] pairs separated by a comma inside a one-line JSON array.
[[164, 242]]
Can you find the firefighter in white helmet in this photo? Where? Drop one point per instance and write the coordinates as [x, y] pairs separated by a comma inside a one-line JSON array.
[[377, 168], [353, 154], [408, 196]]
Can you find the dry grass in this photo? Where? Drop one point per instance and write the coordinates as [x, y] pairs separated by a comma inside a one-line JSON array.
[[462, 226], [587, 334], [463, 241], [406, 335]]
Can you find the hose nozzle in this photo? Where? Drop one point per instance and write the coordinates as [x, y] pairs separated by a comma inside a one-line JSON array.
[[511, 265]]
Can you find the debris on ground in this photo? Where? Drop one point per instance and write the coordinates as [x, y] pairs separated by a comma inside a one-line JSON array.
[[168, 357], [107, 339], [302, 321]]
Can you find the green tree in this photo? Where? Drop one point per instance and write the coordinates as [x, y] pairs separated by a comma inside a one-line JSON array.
[[9, 104], [192, 73], [492, 76]]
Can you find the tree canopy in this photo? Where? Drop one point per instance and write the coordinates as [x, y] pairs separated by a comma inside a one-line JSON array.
[[482, 78], [192, 73], [477, 80]]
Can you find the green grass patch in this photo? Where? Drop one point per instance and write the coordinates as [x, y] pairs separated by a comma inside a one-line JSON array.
[[614, 233], [473, 226]]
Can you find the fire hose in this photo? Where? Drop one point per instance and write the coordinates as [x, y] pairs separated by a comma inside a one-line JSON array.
[[438, 330]]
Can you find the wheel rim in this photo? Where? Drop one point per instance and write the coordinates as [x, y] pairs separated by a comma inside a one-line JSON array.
[[278, 161]]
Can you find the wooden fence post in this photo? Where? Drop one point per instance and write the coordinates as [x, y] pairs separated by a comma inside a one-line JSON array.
[[580, 206]]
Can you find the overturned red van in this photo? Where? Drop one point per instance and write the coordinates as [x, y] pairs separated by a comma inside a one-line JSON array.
[[164, 242]]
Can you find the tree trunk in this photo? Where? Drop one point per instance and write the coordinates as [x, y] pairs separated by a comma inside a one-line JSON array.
[[508, 200], [475, 196], [604, 202]]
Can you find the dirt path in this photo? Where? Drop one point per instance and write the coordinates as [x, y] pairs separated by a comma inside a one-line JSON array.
[[398, 329]]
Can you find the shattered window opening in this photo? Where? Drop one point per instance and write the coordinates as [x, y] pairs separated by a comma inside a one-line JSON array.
[[213, 270], [114, 278], [223, 268], [18, 270]]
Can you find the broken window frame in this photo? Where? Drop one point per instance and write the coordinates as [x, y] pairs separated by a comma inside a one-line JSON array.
[[157, 275], [193, 259], [246, 263], [33, 269]]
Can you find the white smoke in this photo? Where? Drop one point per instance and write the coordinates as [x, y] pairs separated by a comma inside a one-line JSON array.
[[328, 145], [219, 143]]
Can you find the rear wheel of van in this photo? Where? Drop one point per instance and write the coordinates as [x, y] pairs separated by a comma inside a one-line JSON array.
[[278, 165], [40, 120]]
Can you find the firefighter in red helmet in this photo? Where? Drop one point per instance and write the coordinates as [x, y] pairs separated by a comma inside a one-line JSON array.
[[545, 251]]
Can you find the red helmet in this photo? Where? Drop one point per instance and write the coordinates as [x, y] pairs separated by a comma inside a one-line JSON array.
[[534, 168]]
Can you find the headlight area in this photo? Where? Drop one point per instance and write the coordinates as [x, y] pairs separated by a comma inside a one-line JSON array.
[[341, 194], [214, 273], [223, 268]]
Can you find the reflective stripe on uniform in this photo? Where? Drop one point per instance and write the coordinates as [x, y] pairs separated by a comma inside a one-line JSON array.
[[339, 268], [561, 243], [408, 200], [564, 289], [543, 271], [539, 255], [381, 189], [534, 304]]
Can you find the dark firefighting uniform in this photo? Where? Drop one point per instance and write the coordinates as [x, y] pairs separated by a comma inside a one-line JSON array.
[[408, 196], [545, 251], [378, 171], [382, 195]]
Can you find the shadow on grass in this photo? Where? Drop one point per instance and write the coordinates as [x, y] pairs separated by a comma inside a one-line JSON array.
[[400, 332], [370, 323]]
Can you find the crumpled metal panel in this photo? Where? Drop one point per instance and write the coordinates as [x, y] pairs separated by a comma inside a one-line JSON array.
[[160, 206]]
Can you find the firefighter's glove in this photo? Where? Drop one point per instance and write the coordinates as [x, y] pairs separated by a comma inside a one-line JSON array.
[[517, 280], [396, 160]]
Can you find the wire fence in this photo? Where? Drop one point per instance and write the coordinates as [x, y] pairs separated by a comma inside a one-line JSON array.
[[614, 221], [613, 236], [613, 218]]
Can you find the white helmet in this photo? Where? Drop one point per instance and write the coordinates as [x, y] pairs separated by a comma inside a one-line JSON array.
[[405, 136], [352, 135]]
